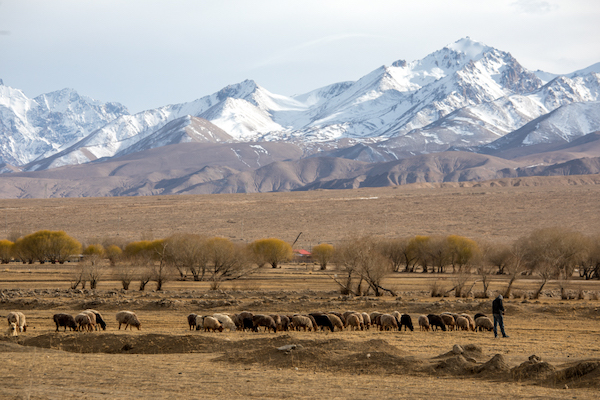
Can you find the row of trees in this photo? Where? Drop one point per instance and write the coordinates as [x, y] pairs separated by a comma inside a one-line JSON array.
[[215, 259], [361, 264]]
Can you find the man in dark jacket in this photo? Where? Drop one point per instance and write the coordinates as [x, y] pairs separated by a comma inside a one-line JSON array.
[[498, 311]]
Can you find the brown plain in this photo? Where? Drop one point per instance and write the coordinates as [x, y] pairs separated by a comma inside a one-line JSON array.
[[42, 364]]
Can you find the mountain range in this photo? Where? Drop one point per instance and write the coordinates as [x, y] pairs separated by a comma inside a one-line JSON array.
[[465, 112]]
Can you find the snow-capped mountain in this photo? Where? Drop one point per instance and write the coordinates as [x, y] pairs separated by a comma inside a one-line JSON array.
[[465, 95], [38, 127]]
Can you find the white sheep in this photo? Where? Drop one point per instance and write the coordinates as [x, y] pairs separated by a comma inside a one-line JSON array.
[[423, 322], [388, 322], [18, 318], [13, 329], [462, 323], [302, 321], [336, 321], [92, 315], [226, 321], [353, 322], [482, 323], [366, 320], [129, 319], [471, 321], [211, 323], [83, 321]]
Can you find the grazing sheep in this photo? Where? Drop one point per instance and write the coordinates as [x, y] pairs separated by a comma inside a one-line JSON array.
[[199, 322], [314, 323], [336, 321], [83, 322], [302, 321], [479, 315], [377, 320], [212, 324], [484, 323], [13, 329], [93, 325], [264, 320], [18, 318], [191, 318], [374, 315], [423, 323], [353, 322], [285, 323], [226, 321], [366, 320], [448, 321], [322, 320], [99, 319], [471, 321], [128, 319], [245, 320], [397, 315], [65, 320], [277, 319], [341, 316], [388, 322], [462, 323], [406, 321], [345, 314], [437, 321]]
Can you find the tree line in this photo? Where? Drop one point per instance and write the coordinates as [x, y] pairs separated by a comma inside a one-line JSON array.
[[360, 263]]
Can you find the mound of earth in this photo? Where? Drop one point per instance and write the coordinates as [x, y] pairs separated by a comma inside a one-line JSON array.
[[121, 343], [371, 356], [585, 374], [496, 367], [533, 369]]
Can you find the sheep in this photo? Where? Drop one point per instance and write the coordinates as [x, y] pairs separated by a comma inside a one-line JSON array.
[[285, 323], [128, 319], [322, 320], [244, 320], [336, 321], [341, 316], [83, 322], [374, 315], [93, 325], [18, 318], [199, 322], [314, 323], [406, 320], [264, 320], [366, 320], [353, 322], [448, 321], [437, 321], [423, 323], [347, 313], [462, 323], [226, 321], [484, 323], [376, 319], [191, 318], [302, 321], [99, 319], [277, 319], [471, 321], [396, 315], [13, 329], [479, 315], [388, 322], [211, 323], [65, 320]]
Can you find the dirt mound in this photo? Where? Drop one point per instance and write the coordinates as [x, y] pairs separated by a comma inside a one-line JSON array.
[[496, 367], [532, 369], [372, 356], [456, 364], [470, 352], [585, 374], [120, 343]]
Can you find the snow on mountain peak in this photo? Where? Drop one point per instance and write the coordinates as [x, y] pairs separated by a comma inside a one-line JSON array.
[[472, 49]]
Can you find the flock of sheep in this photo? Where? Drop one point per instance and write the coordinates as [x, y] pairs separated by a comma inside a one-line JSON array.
[[333, 321], [90, 320]]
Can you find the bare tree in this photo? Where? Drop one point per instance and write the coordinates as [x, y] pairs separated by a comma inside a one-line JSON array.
[[516, 264], [187, 252]]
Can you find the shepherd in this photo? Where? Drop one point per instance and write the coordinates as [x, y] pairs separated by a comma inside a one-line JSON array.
[[498, 311]]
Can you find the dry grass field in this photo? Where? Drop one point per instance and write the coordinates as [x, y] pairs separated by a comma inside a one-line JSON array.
[[164, 359]]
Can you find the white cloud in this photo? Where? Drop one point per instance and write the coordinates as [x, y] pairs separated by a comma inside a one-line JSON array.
[[539, 7]]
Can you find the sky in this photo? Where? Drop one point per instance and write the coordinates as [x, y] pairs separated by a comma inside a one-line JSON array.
[[150, 53]]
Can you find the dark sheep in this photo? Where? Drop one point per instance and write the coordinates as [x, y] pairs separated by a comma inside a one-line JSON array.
[[264, 320], [285, 323], [448, 321], [66, 320], [479, 315], [192, 321], [406, 320], [436, 320], [322, 320]]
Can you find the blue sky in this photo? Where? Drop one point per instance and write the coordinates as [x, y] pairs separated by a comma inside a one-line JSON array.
[[146, 53]]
